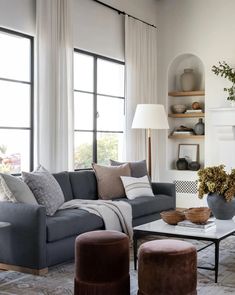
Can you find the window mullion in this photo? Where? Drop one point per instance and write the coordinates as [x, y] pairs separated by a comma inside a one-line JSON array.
[[95, 113]]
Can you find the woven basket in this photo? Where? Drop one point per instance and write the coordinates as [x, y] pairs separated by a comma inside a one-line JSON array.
[[198, 215], [172, 217]]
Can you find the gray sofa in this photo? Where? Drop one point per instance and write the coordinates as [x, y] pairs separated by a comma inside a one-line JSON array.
[[35, 241]]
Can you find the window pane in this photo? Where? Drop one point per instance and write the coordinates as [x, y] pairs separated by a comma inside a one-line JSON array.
[[83, 111], [15, 104], [109, 146], [14, 57], [83, 150], [83, 72], [110, 78], [110, 113], [14, 155]]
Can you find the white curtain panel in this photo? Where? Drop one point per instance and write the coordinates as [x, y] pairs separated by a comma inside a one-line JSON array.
[[141, 85], [55, 85]]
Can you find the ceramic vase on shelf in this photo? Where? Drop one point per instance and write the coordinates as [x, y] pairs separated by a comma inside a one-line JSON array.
[[219, 207], [187, 80], [199, 128], [182, 164]]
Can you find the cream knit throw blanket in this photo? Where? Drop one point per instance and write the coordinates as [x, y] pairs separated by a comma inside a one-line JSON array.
[[117, 215]]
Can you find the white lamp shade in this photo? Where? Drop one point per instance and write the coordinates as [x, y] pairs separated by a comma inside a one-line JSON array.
[[150, 116]]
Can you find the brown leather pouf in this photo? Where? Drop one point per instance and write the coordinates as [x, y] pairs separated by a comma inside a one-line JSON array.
[[167, 267], [102, 264]]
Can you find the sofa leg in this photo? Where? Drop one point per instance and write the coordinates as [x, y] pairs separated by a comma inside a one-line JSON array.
[[37, 272]]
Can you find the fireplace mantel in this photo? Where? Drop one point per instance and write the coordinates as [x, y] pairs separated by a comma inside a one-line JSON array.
[[223, 116]]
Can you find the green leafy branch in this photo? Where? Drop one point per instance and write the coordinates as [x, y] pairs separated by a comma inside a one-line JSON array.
[[225, 71]]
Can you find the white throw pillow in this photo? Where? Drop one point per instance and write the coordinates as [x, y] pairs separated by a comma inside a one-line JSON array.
[[137, 187], [5, 194], [13, 189]]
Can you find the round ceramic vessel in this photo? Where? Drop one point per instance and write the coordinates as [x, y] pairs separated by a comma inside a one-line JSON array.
[[219, 207], [178, 108], [187, 80], [199, 128]]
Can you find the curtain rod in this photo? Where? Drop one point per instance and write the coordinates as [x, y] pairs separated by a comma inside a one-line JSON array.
[[123, 12]]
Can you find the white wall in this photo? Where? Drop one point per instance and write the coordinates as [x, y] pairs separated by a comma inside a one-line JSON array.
[[101, 30], [19, 15], [205, 29]]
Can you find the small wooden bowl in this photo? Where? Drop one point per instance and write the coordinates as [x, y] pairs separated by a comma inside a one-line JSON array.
[[172, 217], [198, 215]]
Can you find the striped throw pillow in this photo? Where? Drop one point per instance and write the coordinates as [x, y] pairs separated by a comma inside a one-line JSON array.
[[137, 187]]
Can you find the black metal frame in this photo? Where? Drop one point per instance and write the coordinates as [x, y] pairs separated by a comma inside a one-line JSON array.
[[31, 84], [123, 12], [95, 94], [141, 233]]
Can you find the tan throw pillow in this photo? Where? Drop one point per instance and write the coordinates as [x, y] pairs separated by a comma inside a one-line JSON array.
[[109, 182]]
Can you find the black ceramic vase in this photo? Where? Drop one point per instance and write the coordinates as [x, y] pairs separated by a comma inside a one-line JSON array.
[[199, 128], [182, 164], [194, 166], [219, 207]]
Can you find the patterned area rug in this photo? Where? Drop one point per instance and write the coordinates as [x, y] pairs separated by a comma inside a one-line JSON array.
[[59, 280]]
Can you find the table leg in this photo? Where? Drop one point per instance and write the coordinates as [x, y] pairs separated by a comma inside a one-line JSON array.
[[216, 260], [135, 251]]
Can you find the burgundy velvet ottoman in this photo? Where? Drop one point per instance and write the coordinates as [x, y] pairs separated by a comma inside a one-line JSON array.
[[102, 264], [167, 267]]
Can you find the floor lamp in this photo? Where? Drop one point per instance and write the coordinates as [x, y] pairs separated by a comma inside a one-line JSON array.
[[150, 116]]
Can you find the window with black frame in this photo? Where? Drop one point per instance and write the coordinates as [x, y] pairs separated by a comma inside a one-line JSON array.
[[99, 106], [16, 101]]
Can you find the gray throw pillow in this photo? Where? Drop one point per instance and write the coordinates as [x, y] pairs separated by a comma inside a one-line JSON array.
[[109, 182], [16, 190], [138, 168], [45, 188]]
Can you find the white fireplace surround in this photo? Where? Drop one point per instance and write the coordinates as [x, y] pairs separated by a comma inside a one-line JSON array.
[[223, 121]]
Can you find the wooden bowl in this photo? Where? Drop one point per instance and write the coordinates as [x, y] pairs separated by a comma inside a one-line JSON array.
[[198, 215], [172, 217]]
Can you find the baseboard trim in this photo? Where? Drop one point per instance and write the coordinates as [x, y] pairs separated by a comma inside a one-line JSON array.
[[37, 272]]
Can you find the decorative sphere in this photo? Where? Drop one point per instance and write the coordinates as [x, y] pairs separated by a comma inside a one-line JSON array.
[[196, 105]]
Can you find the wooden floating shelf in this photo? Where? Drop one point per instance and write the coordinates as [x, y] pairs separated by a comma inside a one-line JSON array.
[[188, 115], [187, 93], [182, 136]]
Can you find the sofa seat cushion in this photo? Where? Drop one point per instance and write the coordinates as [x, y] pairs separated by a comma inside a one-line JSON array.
[[71, 222], [149, 205]]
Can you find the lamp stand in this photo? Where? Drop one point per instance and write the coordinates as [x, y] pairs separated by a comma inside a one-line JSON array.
[[149, 153]]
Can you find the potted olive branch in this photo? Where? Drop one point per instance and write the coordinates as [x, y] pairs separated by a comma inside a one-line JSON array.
[[225, 71]]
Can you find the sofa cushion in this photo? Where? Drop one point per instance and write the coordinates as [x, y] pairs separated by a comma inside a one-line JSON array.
[[138, 168], [64, 182], [71, 222], [45, 188], [84, 185], [136, 187], [109, 182], [13, 189], [149, 205]]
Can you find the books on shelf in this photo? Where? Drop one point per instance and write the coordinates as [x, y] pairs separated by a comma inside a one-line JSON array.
[[187, 225], [183, 132], [193, 111]]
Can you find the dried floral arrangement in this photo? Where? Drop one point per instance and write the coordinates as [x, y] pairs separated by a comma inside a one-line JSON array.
[[216, 180]]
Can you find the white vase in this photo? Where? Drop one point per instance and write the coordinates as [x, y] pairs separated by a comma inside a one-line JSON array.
[[187, 80]]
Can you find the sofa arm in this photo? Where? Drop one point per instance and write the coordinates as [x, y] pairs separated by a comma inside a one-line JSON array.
[[24, 242], [164, 188]]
